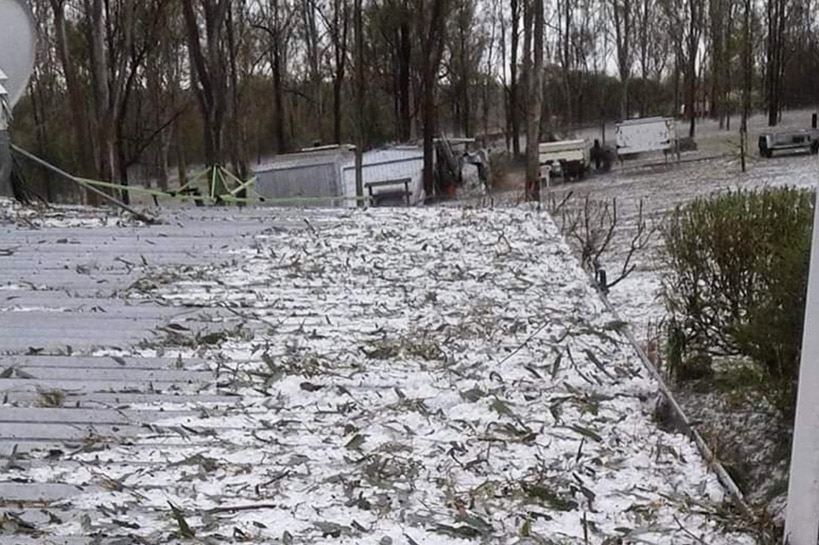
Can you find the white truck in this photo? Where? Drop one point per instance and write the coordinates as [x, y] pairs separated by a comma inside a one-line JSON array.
[[647, 134], [567, 158]]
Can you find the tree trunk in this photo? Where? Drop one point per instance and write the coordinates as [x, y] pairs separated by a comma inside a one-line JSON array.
[[465, 106], [514, 106], [506, 89], [79, 119], [717, 13], [534, 79], [621, 11], [567, 61], [181, 163], [238, 154], [404, 96], [313, 50], [691, 70], [428, 121], [746, 87], [775, 57], [278, 103], [339, 34], [432, 50], [359, 101], [209, 73]]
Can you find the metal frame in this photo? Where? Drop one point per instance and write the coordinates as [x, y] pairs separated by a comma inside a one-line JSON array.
[[376, 197]]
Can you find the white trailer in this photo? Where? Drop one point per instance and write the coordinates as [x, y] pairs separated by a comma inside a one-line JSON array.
[[646, 134], [806, 140], [570, 158]]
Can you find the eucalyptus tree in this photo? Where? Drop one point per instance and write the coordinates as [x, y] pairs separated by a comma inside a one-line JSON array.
[[685, 24], [273, 19], [205, 28], [80, 123], [466, 45], [533, 63], [775, 52], [652, 43], [622, 18], [430, 29]]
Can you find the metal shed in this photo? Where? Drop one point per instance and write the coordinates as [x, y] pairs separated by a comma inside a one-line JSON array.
[[305, 177], [392, 176]]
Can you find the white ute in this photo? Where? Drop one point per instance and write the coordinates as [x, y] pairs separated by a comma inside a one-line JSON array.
[[567, 158]]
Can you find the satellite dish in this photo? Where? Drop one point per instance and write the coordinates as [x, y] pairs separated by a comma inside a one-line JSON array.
[[18, 43]]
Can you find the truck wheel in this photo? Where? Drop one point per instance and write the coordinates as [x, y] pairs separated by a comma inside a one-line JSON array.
[[814, 147]]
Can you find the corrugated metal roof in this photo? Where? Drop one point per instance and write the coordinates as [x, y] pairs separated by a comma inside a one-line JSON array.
[[306, 158]]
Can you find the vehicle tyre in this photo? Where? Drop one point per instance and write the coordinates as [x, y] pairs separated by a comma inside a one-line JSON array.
[[814, 147]]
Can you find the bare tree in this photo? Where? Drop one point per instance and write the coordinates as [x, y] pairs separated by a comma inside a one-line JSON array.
[[431, 19], [776, 12], [80, 123], [209, 68], [596, 230], [490, 74], [686, 19], [622, 16], [338, 25], [513, 110], [747, 68], [312, 42], [237, 65], [652, 43], [717, 12], [466, 47], [162, 87], [274, 19], [534, 22], [359, 100]]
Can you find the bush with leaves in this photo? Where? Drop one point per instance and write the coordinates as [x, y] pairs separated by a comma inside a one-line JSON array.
[[736, 286]]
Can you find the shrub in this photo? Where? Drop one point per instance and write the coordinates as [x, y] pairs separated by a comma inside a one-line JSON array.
[[736, 284]]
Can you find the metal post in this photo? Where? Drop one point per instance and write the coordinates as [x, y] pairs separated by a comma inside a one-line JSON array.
[[802, 521], [544, 175]]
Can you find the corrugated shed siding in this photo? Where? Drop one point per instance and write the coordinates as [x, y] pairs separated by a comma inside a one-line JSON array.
[[332, 174], [383, 165], [299, 181]]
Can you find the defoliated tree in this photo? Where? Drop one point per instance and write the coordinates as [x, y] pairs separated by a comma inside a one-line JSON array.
[[533, 27], [209, 69]]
